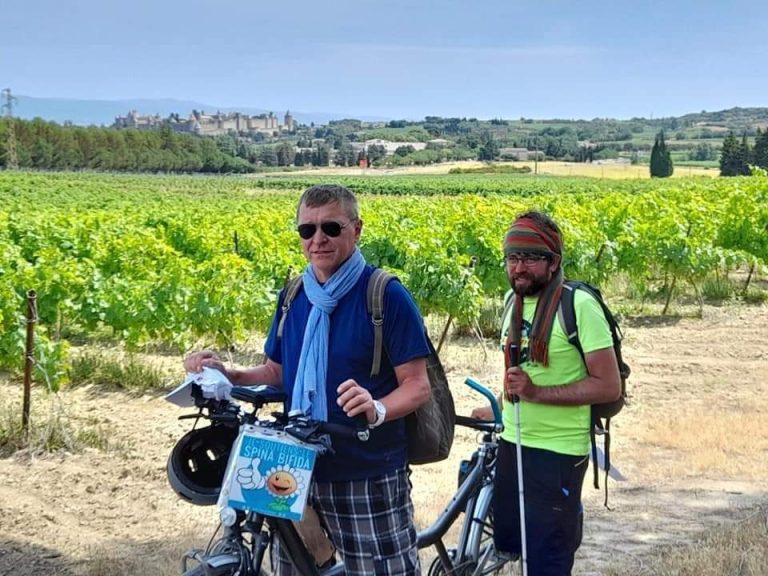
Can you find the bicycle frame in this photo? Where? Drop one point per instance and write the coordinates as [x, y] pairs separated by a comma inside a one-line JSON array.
[[243, 547], [475, 488]]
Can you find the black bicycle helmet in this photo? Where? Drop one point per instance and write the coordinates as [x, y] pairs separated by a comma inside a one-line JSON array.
[[198, 462]]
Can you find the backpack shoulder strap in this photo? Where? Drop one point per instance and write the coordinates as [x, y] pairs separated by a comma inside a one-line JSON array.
[[290, 290], [374, 301], [567, 313], [568, 320]]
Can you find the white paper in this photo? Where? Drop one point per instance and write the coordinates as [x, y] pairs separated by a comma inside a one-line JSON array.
[[213, 383]]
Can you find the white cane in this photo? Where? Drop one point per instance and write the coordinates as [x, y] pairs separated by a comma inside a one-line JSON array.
[[513, 361]]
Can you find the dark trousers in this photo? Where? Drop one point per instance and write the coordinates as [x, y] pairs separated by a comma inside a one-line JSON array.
[[553, 513]]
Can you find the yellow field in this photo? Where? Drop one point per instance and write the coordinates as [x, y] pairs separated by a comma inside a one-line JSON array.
[[611, 170], [607, 169]]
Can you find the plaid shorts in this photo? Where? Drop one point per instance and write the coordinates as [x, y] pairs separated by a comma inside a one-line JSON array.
[[371, 524]]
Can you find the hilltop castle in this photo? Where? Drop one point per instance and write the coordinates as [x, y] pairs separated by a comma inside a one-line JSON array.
[[198, 122]]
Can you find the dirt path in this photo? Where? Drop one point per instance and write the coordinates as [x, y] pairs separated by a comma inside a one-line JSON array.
[[692, 444]]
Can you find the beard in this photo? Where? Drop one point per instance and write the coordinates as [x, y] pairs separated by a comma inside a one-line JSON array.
[[531, 285]]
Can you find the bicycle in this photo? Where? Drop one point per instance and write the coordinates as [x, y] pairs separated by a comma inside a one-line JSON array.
[[248, 533]]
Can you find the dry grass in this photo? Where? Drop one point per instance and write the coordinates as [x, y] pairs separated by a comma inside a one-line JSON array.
[[152, 557], [50, 429], [739, 549], [693, 444], [594, 170], [612, 171], [718, 444]]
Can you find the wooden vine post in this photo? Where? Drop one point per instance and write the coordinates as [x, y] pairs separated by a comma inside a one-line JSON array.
[[29, 357]]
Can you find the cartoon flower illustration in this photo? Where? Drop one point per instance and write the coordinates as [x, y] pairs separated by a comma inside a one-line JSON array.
[[284, 482]]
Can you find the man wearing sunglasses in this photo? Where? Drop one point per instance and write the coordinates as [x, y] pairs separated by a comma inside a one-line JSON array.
[[323, 358], [548, 390]]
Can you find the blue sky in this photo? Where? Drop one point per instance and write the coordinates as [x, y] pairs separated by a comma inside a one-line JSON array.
[[396, 59]]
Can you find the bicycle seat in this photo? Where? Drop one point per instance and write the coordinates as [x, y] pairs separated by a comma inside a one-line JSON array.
[[258, 395]]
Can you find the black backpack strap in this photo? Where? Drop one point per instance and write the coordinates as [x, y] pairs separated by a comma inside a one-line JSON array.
[[568, 321], [374, 301], [290, 290], [597, 428], [568, 314], [595, 464], [607, 450]]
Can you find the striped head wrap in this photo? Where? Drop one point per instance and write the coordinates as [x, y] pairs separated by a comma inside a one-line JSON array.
[[528, 236]]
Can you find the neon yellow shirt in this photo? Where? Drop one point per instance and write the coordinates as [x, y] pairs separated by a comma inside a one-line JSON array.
[[561, 429]]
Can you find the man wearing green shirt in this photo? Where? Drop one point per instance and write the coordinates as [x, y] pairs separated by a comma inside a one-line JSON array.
[[555, 388]]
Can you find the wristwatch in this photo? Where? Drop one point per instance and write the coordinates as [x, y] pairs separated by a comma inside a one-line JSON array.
[[381, 414]]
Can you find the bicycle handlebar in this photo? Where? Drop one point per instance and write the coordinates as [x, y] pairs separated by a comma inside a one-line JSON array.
[[308, 430], [475, 385], [258, 395], [296, 424], [481, 425]]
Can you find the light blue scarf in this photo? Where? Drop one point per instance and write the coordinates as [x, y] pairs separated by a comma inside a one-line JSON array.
[[309, 389]]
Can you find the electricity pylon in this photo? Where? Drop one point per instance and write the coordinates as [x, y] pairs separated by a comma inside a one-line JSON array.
[[11, 159]]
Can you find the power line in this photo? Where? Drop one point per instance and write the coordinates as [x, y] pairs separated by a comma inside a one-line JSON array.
[[12, 160]]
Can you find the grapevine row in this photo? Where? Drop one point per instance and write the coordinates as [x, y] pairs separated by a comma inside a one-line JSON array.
[[164, 259]]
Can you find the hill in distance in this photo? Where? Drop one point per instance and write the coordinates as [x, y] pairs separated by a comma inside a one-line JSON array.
[[103, 112]]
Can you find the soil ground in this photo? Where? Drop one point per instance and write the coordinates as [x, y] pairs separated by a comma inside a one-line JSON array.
[[692, 444]]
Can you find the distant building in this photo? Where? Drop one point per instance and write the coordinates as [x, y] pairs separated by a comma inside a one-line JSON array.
[[198, 122], [138, 121], [518, 154], [390, 147], [288, 122]]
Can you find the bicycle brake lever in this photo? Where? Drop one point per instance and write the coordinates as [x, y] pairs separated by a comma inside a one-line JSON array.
[[225, 418], [362, 428]]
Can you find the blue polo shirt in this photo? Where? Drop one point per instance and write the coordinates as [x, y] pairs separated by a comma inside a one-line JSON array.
[[350, 355]]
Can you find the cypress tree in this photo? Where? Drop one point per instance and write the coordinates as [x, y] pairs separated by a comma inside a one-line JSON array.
[[746, 156], [734, 157], [760, 151], [728, 156], [661, 160]]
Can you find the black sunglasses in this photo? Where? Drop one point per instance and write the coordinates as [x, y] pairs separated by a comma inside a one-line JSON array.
[[330, 228]]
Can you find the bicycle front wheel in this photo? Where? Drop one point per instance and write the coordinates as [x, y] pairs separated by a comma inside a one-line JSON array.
[[220, 565], [225, 560], [480, 548], [216, 565]]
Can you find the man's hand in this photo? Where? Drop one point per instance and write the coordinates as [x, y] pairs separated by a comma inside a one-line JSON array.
[[484, 413], [354, 400], [518, 383], [204, 358]]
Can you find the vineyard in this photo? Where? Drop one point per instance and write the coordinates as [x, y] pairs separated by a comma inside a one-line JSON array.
[[172, 260]]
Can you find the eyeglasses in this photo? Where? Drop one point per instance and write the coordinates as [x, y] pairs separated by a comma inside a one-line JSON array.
[[330, 228], [526, 259]]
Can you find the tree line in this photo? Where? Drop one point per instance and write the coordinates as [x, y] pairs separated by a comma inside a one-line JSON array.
[[737, 157], [50, 146]]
